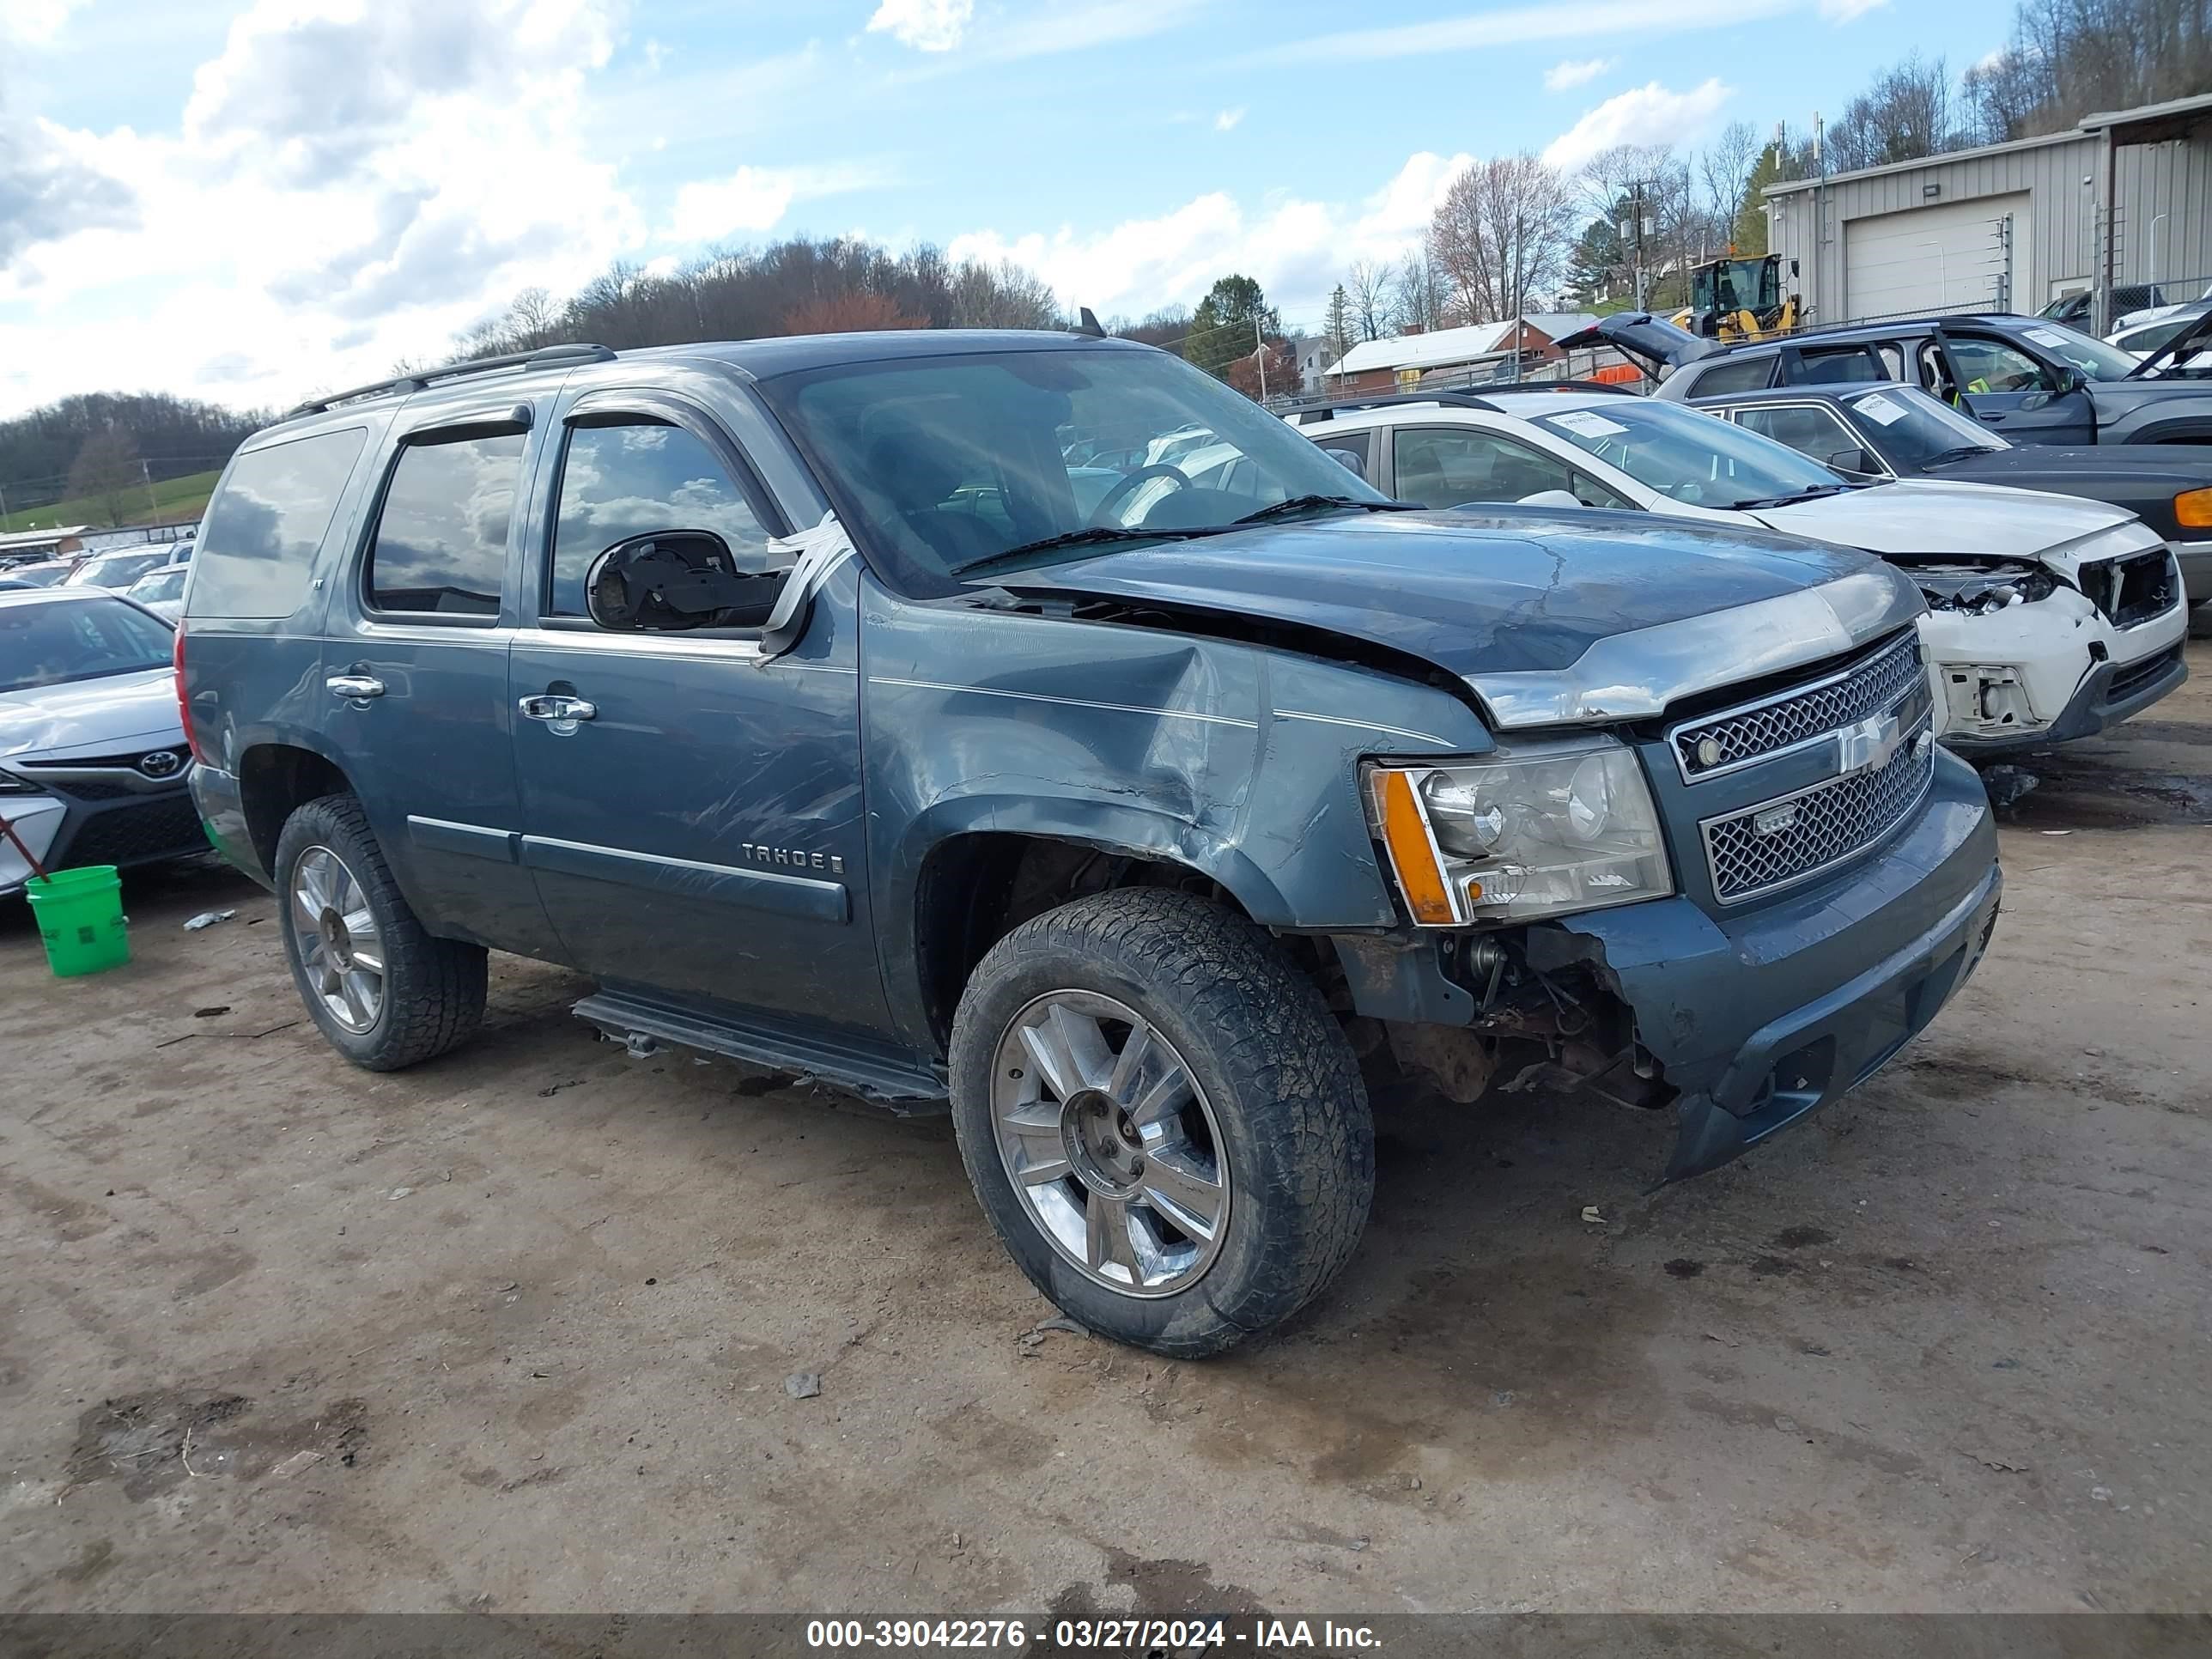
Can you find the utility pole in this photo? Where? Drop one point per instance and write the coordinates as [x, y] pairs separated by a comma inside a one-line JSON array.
[[146, 473], [1260, 348], [1636, 209]]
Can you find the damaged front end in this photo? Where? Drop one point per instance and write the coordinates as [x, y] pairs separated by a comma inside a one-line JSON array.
[[2021, 653]]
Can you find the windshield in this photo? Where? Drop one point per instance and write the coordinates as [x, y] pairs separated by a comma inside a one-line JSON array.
[[2096, 360], [945, 463], [1911, 428], [53, 642], [1688, 455], [118, 571], [40, 575]]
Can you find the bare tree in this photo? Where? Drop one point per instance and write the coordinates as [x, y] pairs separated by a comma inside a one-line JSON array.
[[1416, 294], [1502, 235], [1367, 286], [1724, 180], [2068, 58], [1907, 113]]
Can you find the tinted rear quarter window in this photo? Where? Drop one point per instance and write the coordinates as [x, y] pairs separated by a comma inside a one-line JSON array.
[[441, 543], [1739, 375], [257, 550]]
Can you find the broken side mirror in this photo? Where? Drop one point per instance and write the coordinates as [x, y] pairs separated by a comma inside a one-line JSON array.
[[675, 579]]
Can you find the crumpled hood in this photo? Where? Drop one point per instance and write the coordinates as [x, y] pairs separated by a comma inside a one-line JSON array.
[[1505, 590], [1923, 516], [91, 717]]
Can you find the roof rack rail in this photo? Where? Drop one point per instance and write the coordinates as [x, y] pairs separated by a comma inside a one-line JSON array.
[[1322, 411], [544, 357]]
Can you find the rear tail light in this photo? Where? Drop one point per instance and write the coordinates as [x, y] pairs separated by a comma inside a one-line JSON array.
[[184, 702]]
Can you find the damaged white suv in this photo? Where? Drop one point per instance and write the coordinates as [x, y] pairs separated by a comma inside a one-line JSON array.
[[2050, 617]]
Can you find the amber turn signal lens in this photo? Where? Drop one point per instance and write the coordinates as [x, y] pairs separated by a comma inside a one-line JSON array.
[[2193, 508], [1413, 854]]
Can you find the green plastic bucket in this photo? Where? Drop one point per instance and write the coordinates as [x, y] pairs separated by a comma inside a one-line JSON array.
[[80, 917]]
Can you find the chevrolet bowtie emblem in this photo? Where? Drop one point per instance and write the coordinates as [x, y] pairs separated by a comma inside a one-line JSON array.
[[1870, 744]]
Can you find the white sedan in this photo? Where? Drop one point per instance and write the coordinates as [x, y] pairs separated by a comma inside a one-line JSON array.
[[2050, 617]]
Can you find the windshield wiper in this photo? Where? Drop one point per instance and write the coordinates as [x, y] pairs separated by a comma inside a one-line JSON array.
[[1812, 495], [1313, 503], [1942, 457], [1096, 535]]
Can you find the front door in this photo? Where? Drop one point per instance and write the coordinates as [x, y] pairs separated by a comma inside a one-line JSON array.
[[2006, 389], [692, 814]]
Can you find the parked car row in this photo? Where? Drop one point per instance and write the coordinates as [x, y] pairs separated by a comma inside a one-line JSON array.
[[2048, 618]]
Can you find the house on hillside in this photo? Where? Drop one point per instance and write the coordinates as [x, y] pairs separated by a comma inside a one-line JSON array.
[[1476, 352]]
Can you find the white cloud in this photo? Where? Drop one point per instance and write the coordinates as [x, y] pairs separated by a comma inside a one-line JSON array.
[[314, 180], [1849, 11], [1297, 249], [1228, 119], [755, 199], [1575, 72], [1648, 114], [1555, 20], [36, 20], [1082, 27], [925, 25]]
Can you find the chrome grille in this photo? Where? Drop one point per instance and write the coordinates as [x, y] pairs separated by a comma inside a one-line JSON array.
[[1757, 730], [1807, 832]]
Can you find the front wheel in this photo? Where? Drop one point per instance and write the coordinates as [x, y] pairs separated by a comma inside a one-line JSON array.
[[1161, 1119]]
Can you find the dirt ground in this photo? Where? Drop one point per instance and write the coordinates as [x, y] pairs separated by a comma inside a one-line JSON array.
[[512, 1331]]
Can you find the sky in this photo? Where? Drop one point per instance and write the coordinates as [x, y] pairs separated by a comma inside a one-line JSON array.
[[249, 203]]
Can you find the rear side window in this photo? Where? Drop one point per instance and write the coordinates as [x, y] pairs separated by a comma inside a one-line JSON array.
[[257, 550], [441, 546], [1744, 374], [1349, 448], [1839, 366]]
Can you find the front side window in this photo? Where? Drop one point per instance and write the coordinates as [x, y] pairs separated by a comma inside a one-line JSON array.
[[944, 463], [441, 543], [1985, 365], [54, 642], [1692, 456], [1456, 466], [637, 478], [1808, 429]]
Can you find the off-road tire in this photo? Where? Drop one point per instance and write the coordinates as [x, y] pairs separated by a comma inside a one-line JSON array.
[[1284, 1087], [434, 988]]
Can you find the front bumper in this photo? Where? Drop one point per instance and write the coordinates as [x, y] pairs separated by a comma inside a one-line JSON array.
[[1759, 1018], [68, 832], [2046, 672]]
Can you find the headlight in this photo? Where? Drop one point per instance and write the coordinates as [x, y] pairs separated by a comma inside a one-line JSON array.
[[1538, 830]]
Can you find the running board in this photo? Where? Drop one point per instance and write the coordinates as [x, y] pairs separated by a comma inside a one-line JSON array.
[[877, 1072]]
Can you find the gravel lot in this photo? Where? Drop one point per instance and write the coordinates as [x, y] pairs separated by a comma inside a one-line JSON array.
[[512, 1331]]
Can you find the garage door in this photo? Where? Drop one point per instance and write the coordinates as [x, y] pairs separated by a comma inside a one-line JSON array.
[[1950, 257]]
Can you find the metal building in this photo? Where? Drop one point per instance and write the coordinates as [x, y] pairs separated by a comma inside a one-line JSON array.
[[2123, 201]]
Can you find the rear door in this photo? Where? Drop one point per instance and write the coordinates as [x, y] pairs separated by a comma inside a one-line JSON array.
[[414, 673], [692, 812]]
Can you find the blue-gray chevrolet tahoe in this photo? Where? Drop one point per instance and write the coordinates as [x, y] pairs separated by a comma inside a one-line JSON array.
[[822, 700]]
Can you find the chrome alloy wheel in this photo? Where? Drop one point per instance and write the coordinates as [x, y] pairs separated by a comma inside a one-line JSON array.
[[340, 948], [1111, 1143]]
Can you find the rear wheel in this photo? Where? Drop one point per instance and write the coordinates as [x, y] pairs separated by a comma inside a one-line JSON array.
[[1161, 1119], [384, 991]]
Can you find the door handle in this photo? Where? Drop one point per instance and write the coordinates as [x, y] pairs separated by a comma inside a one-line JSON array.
[[556, 709], [355, 688]]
